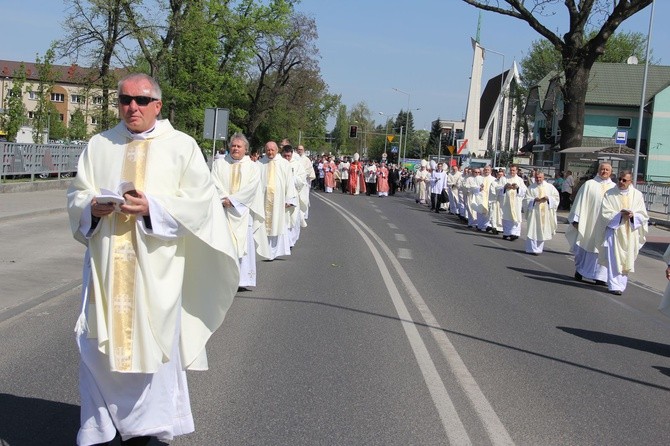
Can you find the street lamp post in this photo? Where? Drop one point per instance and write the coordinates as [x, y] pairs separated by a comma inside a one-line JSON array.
[[498, 132], [644, 92], [386, 136], [404, 146]]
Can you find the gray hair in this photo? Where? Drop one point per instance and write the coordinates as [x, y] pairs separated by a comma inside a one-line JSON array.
[[240, 136], [155, 88]]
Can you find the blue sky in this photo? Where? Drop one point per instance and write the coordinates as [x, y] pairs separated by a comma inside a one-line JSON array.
[[370, 47]]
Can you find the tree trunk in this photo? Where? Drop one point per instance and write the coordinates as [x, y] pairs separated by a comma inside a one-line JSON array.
[[574, 95]]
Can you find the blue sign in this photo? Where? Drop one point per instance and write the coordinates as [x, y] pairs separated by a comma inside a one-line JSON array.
[[621, 137], [394, 149]]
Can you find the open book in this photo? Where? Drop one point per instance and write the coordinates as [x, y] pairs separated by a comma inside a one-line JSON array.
[[115, 197]]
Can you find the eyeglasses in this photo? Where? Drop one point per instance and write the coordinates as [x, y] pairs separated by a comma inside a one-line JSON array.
[[623, 180], [142, 101]]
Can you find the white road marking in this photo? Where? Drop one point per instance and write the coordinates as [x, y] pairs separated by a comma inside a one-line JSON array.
[[404, 253], [400, 237]]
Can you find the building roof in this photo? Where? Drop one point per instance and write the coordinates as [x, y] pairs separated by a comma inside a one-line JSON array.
[[621, 84], [616, 84], [64, 74], [489, 98]]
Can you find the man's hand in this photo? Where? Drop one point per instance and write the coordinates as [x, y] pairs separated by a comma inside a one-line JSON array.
[[136, 203], [226, 203], [99, 210]]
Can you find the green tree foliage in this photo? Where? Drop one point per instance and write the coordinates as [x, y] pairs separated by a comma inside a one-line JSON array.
[[579, 50], [433, 137], [15, 111], [77, 130], [57, 128], [47, 78]]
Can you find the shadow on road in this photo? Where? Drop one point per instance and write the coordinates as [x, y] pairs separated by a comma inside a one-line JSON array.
[[33, 421], [624, 341]]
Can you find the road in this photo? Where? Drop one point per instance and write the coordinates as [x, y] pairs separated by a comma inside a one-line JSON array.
[[387, 325]]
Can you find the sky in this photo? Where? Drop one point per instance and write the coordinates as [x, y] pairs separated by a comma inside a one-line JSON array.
[[369, 49]]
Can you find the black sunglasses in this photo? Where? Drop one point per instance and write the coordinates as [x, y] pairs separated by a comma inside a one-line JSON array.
[[125, 99]]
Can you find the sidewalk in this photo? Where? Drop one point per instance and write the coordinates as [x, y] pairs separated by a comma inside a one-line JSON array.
[[16, 205]]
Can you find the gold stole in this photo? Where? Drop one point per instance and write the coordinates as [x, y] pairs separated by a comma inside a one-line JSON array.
[[512, 202], [124, 254], [626, 205], [270, 196], [235, 180], [485, 194], [543, 205]]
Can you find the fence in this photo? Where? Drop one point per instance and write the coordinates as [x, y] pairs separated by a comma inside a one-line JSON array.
[[656, 197], [42, 160]]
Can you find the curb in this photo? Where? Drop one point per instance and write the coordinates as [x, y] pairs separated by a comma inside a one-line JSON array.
[[6, 218]]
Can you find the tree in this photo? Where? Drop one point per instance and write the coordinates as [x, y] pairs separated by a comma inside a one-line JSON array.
[[57, 129], [77, 130], [578, 51], [96, 30], [15, 111], [45, 83]]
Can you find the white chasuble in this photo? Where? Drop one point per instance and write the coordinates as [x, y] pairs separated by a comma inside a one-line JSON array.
[[145, 282]]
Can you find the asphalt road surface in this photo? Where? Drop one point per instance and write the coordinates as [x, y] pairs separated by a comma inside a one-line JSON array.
[[388, 325]]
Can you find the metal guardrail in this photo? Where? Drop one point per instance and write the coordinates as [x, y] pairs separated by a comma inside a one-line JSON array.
[[656, 197], [41, 160]]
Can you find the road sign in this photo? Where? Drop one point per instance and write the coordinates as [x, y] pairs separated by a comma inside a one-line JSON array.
[[384, 155], [390, 138], [216, 124], [462, 144], [451, 149], [621, 137]]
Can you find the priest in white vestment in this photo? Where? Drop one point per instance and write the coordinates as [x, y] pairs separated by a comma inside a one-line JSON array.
[[421, 179], [495, 199], [482, 200], [513, 192], [454, 179], [310, 176], [542, 200], [582, 223], [279, 197], [472, 186], [622, 231], [297, 220], [438, 183], [160, 271], [238, 181]]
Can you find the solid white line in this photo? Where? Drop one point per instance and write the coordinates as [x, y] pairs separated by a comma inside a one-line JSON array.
[[452, 424], [495, 429]]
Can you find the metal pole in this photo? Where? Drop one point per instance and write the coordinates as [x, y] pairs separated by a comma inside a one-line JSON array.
[[644, 93]]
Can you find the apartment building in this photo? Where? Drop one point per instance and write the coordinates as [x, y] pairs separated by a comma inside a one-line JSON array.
[[75, 88]]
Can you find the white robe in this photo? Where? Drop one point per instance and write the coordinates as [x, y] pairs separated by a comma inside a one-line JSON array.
[[664, 307], [453, 183], [512, 204], [472, 187], [132, 349], [310, 176], [495, 210], [585, 211], [297, 219], [278, 195], [620, 241], [421, 179], [247, 214], [482, 201], [541, 217]]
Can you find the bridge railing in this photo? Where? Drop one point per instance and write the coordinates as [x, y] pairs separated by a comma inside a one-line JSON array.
[[39, 160]]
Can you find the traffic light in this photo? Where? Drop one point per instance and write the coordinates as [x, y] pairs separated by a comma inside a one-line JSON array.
[[353, 131]]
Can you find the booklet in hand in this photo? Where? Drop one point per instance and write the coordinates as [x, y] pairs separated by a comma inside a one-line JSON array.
[[115, 197]]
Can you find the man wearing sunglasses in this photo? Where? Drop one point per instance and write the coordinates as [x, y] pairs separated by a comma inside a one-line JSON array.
[[622, 227], [581, 231], [160, 271]]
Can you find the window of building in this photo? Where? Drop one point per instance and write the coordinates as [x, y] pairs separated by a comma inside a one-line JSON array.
[[62, 117], [57, 97], [31, 115], [624, 123], [94, 120], [77, 99], [97, 100], [33, 95]]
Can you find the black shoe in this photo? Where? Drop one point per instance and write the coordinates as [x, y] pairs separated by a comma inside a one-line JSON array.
[[601, 283], [489, 229], [578, 277], [616, 292], [494, 231], [504, 237], [513, 237]]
